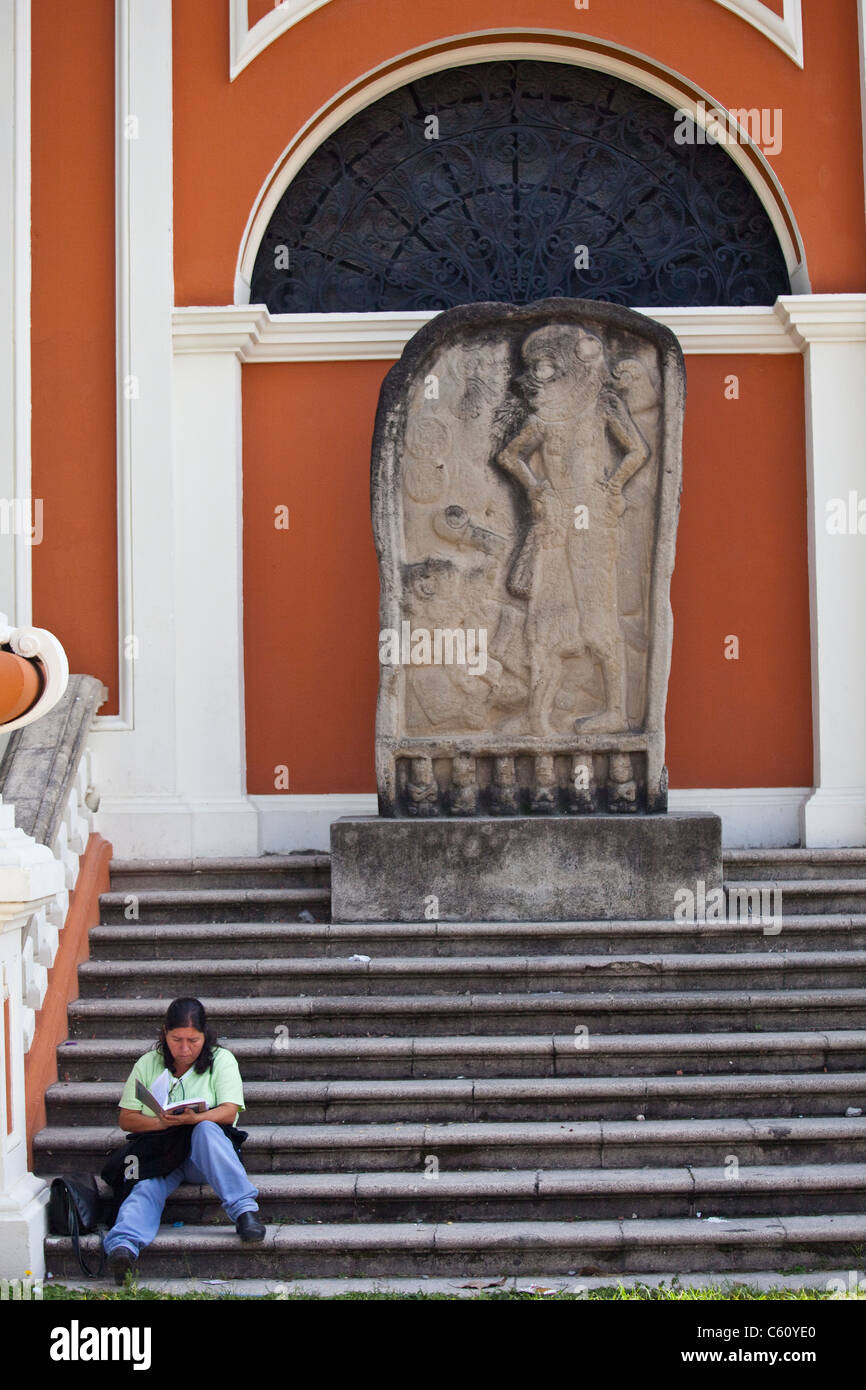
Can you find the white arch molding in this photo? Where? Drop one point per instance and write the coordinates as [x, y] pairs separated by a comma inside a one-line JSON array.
[[785, 30], [503, 46]]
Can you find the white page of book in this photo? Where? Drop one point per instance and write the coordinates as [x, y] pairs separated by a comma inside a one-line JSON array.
[[161, 1086]]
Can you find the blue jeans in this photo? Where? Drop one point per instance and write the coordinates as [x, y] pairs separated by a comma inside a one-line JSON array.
[[212, 1159]]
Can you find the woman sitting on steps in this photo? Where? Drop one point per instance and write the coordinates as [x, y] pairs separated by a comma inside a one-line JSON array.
[[196, 1147]]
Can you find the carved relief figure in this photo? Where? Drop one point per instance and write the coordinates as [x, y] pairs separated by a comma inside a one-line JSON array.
[[575, 449]]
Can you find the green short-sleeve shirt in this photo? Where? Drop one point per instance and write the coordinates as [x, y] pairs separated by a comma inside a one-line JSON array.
[[221, 1085]]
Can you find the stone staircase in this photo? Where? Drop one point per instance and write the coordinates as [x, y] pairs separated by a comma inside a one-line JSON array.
[[483, 1099]]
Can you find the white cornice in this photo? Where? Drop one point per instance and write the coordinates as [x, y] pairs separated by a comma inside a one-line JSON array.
[[251, 333], [719, 329], [825, 318], [245, 44], [255, 336]]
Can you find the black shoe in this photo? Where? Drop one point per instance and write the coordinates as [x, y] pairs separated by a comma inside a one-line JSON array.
[[249, 1227], [120, 1260]]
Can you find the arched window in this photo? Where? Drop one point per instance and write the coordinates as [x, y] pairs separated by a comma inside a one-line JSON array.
[[515, 181]]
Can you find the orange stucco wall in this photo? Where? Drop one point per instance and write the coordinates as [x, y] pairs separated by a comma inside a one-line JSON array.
[[310, 649], [73, 333], [228, 135], [311, 592], [257, 9], [742, 565], [741, 571]]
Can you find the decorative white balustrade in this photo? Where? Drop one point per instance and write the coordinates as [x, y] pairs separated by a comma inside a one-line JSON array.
[[52, 778]]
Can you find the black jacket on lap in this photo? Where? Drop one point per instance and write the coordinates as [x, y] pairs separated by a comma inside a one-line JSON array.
[[158, 1152]]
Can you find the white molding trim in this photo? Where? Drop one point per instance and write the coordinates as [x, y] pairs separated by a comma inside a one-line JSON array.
[[752, 817], [15, 258], [245, 44], [22, 273], [163, 791], [145, 292], [544, 45], [253, 334], [175, 827], [304, 822], [125, 718], [861, 38]]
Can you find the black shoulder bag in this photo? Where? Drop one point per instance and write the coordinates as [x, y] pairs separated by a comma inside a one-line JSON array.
[[77, 1208]]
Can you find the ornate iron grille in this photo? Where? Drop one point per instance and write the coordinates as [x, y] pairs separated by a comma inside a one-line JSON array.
[[531, 161]]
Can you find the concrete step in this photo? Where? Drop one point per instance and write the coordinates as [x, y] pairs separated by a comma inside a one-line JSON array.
[[197, 905], [420, 1015], [311, 869], [634, 1054], [158, 941], [578, 1194], [434, 976], [272, 904], [408, 1147], [473, 1248], [805, 895], [770, 865], [467, 1100]]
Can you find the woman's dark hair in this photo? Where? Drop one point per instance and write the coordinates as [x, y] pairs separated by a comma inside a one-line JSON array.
[[188, 1013]]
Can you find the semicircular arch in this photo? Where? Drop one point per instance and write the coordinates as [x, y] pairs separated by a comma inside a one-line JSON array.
[[353, 183]]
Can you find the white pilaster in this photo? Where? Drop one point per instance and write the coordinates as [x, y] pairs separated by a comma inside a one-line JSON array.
[[15, 547], [209, 603], [137, 749], [831, 330]]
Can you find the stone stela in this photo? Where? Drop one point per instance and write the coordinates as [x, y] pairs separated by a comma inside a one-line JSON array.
[[526, 475], [526, 480]]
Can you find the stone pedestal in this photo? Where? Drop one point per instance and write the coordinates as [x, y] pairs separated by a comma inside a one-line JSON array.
[[521, 869]]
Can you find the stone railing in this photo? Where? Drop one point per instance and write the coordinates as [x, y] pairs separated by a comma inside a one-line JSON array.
[[46, 774], [47, 804]]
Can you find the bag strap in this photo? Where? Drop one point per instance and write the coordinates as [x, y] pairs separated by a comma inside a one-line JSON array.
[[75, 1233]]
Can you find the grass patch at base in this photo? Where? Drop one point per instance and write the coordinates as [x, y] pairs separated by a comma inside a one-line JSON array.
[[642, 1293]]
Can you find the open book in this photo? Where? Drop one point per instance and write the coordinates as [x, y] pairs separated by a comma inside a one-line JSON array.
[[155, 1100]]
